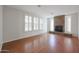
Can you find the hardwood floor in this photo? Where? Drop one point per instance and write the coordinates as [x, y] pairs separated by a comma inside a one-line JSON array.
[[46, 43]]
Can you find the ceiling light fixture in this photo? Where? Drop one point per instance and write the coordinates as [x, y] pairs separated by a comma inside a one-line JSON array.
[[38, 5]]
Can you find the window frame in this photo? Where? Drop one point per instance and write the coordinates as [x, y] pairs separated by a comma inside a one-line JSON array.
[[41, 25], [30, 23], [36, 23], [26, 23]]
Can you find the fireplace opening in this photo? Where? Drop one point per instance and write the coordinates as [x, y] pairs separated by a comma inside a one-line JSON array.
[[59, 29]]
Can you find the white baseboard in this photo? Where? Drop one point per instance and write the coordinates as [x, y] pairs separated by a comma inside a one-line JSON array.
[[25, 36]]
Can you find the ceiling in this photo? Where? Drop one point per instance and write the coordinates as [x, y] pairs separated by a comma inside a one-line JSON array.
[[48, 10]]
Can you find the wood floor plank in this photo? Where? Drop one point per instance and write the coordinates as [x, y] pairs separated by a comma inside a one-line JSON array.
[[46, 43]]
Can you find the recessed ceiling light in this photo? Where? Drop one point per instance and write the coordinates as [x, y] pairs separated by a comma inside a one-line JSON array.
[[38, 5]]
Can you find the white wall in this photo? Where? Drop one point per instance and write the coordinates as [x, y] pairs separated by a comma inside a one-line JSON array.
[[78, 25], [13, 25], [1, 27]]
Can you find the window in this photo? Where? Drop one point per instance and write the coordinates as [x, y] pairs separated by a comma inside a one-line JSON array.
[[51, 24], [35, 23], [41, 24], [26, 23], [68, 24], [30, 23]]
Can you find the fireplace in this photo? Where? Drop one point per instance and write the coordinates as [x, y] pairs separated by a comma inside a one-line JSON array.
[[58, 28]]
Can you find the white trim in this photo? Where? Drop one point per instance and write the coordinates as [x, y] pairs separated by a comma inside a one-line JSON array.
[[23, 37]]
